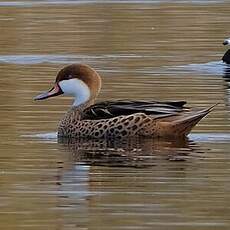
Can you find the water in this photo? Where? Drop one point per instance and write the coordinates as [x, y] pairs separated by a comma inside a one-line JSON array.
[[168, 50]]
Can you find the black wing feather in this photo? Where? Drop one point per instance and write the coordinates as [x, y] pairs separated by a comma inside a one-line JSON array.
[[109, 109]]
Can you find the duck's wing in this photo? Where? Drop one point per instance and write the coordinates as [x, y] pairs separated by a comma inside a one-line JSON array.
[[109, 109]]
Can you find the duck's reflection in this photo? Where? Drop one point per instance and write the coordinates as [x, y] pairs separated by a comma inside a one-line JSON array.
[[226, 77], [135, 152], [93, 181]]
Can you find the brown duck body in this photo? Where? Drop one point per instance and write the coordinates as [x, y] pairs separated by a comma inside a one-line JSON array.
[[116, 119], [130, 118]]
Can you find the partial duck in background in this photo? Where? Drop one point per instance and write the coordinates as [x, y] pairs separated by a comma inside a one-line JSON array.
[[226, 57]]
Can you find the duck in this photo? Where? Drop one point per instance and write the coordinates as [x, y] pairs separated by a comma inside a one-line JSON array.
[[226, 57], [118, 118]]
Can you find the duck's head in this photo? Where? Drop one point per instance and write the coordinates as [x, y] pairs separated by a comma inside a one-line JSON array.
[[226, 42], [77, 80]]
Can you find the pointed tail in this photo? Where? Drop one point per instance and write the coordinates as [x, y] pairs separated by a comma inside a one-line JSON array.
[[184, 125]]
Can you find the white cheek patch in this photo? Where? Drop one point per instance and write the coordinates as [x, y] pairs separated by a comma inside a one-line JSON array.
[[76, 88]]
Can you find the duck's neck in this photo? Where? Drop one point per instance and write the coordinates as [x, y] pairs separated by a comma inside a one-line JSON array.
[[81, 99], [76, 111]]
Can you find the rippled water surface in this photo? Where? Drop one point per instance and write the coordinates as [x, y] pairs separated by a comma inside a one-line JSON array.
[[166, 50]]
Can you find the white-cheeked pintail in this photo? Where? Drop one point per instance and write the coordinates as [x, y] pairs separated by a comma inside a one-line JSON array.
[[116, 119]]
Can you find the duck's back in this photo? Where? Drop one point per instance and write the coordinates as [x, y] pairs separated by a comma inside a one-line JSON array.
[[110, 109], [226, 57]]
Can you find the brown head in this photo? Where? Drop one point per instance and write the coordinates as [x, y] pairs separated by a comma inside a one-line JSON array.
[[78, 80]]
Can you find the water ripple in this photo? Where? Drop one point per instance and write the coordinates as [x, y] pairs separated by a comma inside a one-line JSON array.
[[59, 59], [213, 68], [199, 137], [74, 2], [37, 59]]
